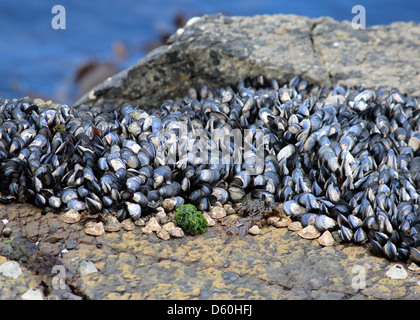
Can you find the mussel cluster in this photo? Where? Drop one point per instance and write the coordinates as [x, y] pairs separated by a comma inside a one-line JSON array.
[[345, 160]]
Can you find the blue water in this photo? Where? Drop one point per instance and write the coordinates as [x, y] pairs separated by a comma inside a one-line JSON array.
[[37, 60]]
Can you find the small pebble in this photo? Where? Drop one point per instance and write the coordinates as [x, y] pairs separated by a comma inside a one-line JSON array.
[[295, 226], [397, 272], [10, 269], [254, 230], [33, 294]]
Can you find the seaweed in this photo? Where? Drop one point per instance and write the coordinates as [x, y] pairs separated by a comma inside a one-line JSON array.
[[190, 219]]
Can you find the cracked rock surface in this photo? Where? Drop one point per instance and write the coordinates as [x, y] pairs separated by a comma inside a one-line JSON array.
[[220, 50], [276, 264]]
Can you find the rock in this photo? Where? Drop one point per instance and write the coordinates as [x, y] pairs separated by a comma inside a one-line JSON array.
[[218, 49], [10, 269], [309, 232], [210, 221], [397, 272], [33, 294], [128, 225], [254, 230], [94, 229], [294, 226], [153, 224], [71, 216], [326, 239], [217, 212], [176, 232], [163, 234], [86, 268], [112, 224]]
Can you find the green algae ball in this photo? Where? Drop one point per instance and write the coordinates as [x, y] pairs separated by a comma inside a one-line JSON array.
[[190, 219]]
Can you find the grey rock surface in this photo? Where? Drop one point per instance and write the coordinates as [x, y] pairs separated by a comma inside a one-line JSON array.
[[219, 50], [132, 265], [86, 268]]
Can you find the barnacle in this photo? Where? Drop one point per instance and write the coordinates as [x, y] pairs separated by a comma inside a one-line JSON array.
[[260, 208], [250, 213]]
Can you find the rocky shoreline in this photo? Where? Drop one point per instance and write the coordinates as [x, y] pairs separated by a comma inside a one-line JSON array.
[[132, 265], [141, 265]]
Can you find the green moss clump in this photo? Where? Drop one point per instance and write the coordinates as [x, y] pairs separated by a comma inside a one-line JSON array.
[[190, 219]]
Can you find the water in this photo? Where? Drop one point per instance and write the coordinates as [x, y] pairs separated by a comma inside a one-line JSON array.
[[37, 60]]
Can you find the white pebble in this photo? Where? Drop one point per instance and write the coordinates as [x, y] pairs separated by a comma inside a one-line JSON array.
[[11, 269], [33, 294], [87, 268], [397, 272]]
